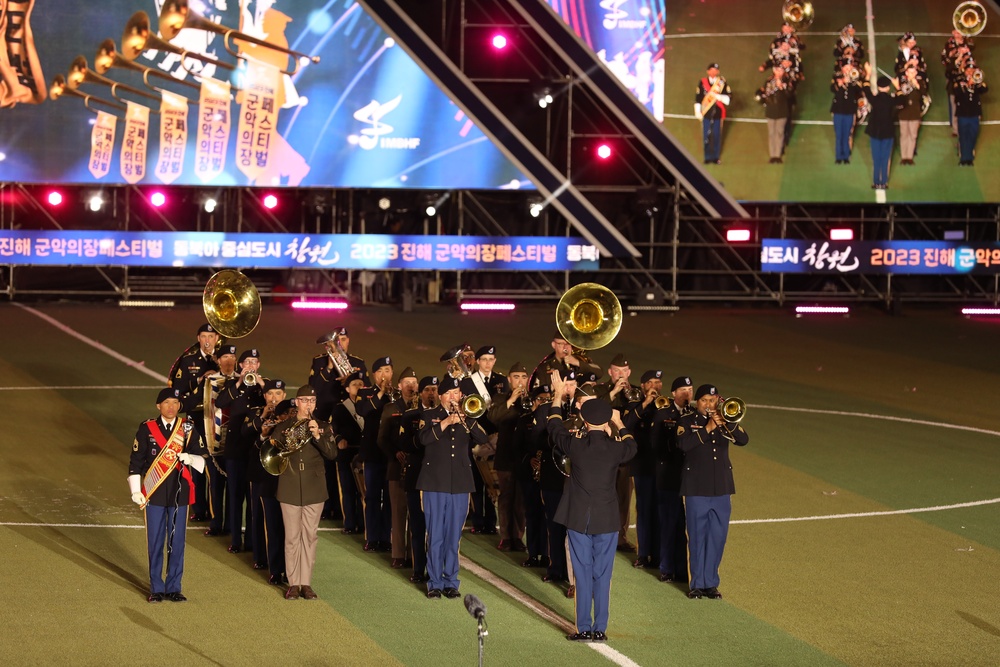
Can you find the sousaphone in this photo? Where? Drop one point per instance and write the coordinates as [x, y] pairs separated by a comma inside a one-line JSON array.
[[969, 18], [231, 303]]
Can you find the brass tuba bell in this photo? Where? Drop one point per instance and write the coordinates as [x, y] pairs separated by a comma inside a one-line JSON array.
[[589, 316], [231, 303], [176, 15], [969, 18], [799, 15]]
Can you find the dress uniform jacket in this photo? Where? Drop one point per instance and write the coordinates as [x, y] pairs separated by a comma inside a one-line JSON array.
[[707, 470], [370, 409], [304, 480], [505, 420], [241, 401], [252, 427], [390, 429], [447, 465], [590, 503], [330, 391], [145, 449], [186, 379], [551, 479], [638, 419], [669, 457]]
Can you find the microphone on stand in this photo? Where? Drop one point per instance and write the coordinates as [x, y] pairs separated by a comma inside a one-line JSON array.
[[475, 606]]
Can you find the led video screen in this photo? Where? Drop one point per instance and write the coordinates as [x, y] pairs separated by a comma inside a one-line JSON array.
[[306, 93]]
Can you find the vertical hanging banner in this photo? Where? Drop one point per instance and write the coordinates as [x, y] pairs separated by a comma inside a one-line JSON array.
[[102, 142], [135, 143], [214, 126], [258, 118], [173, 137]]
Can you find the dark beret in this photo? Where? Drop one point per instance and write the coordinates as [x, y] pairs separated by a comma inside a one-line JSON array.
[[428, 381], [166, 393], [596, 411], [679, 382], [485, 349], [283, 407], [274, 384], [327, 337], [224, 350], [447, 384], [568, 373], [651, 375], [380, 362], [206, 328], [705, 390], [712, 66], [252, 352]]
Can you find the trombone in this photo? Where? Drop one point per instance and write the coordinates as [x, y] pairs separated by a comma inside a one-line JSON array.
[[176, 15]]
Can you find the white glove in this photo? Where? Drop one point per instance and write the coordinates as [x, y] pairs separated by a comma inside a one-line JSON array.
[[135, 488], [184, 458], [723, 98], [697, 110], [196, 462]]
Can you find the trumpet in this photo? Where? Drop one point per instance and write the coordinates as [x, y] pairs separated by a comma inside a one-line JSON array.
[[855, 74], [250, 379], [661, 401], [978, 76]]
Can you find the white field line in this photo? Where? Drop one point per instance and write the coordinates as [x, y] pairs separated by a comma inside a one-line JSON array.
[[97, 387]]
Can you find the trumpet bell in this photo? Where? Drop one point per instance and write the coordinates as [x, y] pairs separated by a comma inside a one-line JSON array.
[[272, 460], [799, 15], [969, 18], [231, 303], [662, 402], [733, 410], [474, 406], [589, 316]]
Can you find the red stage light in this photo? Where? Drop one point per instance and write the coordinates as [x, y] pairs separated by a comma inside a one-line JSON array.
[[157, 199], [604, 151], [737, 235], [55, 198], [499, 41], [270, 201]]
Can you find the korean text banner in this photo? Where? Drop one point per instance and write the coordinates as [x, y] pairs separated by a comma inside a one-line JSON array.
[[365, 115], [879, 257], [296, 251], [627, 35]]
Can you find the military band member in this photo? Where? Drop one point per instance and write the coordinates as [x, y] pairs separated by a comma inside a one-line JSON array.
[[638, 417], [912, 88], [488, 384], [409, 444], [560, 359], [189, 378], [552, 481], [588, 509], [269, 527], [969, 111], [215, 471], [712, 112], [844, 108], [881, 130], [390, 432], [776, 96], [446, 481], [529, 475], [669, 463], [707, 486], [617, 391], [377, 507], [164, 451], [262, 483], [847, 41], [240, 396], [302, 490], [503, 414], [349, 426], [327, 377]]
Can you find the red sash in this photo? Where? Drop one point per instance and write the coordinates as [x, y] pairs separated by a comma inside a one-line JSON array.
[[166, 460], [707, 87]]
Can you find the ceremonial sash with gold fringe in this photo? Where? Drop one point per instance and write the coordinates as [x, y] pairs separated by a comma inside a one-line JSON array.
[[166, 460]]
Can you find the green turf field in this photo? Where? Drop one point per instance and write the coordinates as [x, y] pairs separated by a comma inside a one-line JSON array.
[[700, 31], [886, 589]]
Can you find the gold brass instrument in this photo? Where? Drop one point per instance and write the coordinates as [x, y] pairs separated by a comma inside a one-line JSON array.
[[59, 88], [732, 409], [138, 37], [589, 316], [176, 15], [274, 458], [215, 429], [662, 402], [358, 470], [457, 366], [977, 76], [855, 74], [491, 481], [536, 471], [231, 303], [633, 393], [80, 73], [969, 18], [473, 406], [341, 362], [799, 15], [250, 379], [108, 57]]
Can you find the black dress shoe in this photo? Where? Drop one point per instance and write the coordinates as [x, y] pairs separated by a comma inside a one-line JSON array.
[[585, 636], [418, 578], [641, 562], [534, 561], [434, 594], [385, 547], [518, 545], [370, 547], [260, 566], [213, 532], [451, 593], [695, 593], [552, 579], [277, 579], [155, 597], [600, 636], [505, 545], [176, 597], [713, 593], [350, 531], [668, 578], [397, 564], [626, 546], [234, 549], [197, 517]]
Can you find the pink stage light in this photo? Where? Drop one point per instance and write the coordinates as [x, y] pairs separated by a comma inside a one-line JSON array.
[[490, 306], [822, 310], [270, 201], [841, 234], [157, 199], [55, 198], [499, 41], [604, 151], [737, 235], [319, 305], [987, 312]]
